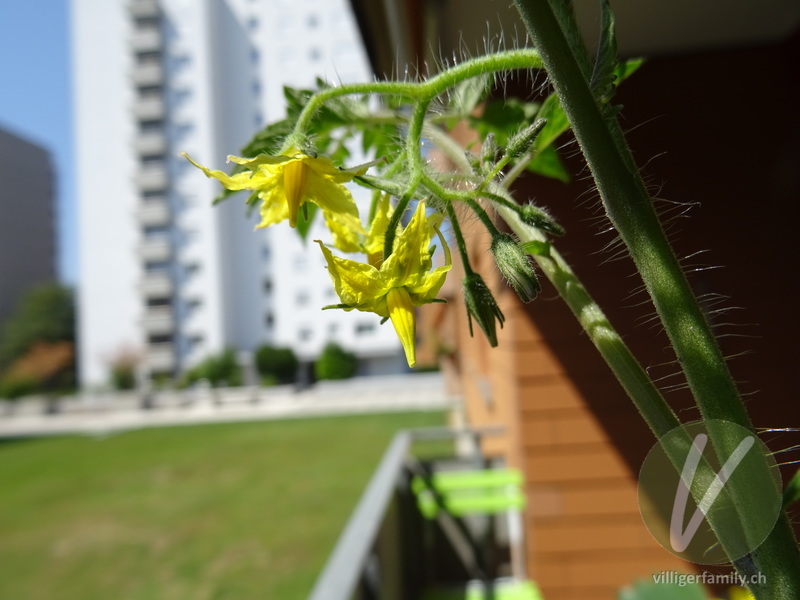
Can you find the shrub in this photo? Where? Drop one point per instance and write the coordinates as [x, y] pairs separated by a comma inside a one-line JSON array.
[[123, 369], [278, 365], [335, 363], [220, 369]]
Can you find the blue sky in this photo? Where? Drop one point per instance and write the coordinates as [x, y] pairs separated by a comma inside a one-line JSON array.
[[36, 100]]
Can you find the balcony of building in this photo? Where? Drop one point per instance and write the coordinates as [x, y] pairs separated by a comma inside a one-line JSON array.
[[150, 143], [149, 109], [144, 9], [433, 528], [146, 40], [156, 249], [161, 357], [152, 179], [154, 213], [158, 320], [147, 74], [156, 285]]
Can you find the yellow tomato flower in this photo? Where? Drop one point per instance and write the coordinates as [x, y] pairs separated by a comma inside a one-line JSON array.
[[398, 284], [740, 593], [284, 183]]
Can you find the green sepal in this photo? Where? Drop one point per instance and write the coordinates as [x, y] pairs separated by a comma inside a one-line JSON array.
[[337, 306], [305, 219]]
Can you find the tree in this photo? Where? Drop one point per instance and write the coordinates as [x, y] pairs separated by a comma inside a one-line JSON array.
[[45, 314], [335, 363], [276, 364], [37, 345]]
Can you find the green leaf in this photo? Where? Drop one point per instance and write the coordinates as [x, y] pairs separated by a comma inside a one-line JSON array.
[[269, 140], [504, 118], [644, 590], [557, 123], [469, 93], [305, 218], [603, 78], [382, 140], [792, 492], [548, 164], [625, 69]]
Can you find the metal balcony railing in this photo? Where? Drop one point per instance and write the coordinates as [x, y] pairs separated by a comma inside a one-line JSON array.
[[388, 549]]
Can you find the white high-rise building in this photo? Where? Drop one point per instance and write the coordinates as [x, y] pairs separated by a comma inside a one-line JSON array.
[[162, 271]]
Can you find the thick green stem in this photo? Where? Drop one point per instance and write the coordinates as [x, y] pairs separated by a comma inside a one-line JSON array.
[[631, 211]]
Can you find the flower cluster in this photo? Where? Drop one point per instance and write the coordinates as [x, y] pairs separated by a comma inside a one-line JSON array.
[[390, 288]]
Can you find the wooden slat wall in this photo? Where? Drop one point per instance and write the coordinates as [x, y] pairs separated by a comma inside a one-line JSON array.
[[585, 538]]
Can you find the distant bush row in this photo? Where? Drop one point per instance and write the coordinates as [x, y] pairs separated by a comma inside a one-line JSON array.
[[274, 366]]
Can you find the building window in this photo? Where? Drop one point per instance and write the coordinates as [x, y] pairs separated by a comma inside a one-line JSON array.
[[180, 62], [302, 298], [365, 328], [155, 231], [148, 58], [312, 21], [182, 132], [267, 286], [154, 126], [159, 302], [147, 23], [154, 161], [191, 306], [151, 92], [152, 266], [269, 319], [255, 56], [180, 97], [190, 270], [153, 196], [256, 89], [315, 54], [252, 23], [305, 334], [160, 339]]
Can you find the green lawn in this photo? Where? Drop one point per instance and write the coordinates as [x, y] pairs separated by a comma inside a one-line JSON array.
[[233, 511]]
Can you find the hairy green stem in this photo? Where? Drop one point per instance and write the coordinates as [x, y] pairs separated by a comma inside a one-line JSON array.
[[631, 375], [413, 142], [462, 245], [524, 58], [630, 209]]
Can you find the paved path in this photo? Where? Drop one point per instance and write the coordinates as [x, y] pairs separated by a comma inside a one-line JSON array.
[[101, 416]]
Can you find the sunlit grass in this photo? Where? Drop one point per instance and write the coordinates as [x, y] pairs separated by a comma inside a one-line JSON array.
[[232, 511]]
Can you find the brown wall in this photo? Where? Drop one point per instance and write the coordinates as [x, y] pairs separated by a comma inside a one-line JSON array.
[[719, 130]]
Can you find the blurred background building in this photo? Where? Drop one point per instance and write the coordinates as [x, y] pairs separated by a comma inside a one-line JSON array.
[[161, 270], [27, 230]]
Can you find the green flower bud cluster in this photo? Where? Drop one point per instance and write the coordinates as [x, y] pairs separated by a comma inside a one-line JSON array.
[[482, 306], [516, 268]]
